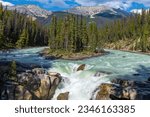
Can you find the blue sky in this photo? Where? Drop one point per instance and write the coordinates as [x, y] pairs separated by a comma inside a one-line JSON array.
[[57, 5]]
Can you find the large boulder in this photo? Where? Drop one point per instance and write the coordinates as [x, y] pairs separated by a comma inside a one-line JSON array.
[[81, 67], [31, 85], [63, 96]]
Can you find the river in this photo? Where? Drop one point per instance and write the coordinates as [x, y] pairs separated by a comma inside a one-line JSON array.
[[81, 84]]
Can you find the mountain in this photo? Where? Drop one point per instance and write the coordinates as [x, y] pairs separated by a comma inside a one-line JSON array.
[[103, 11], [31, 10], [99, 14]]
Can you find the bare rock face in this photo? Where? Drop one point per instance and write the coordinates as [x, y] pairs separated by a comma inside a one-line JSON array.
[[81, 67], [124, 90], [33, 85], [63, 96]]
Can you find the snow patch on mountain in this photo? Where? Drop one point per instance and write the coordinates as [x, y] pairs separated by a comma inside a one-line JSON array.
[[31, 10]]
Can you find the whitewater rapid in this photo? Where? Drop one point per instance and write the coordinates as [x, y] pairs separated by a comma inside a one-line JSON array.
[[82, 85]]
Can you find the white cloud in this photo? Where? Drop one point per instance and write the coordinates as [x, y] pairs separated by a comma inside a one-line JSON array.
[[117, 4], [49, 3], [6, 3], [113, 3]]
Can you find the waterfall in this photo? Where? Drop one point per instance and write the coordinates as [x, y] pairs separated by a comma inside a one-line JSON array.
[[81, 85]]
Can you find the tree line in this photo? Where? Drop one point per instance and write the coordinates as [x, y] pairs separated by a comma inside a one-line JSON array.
[[19, 31], [133, 30], [73, 33]]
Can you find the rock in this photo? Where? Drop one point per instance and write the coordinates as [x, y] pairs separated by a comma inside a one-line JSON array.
[[55, 82], [136, 74], [103, 94], [30, 85], [81, 67], [53, 74], [99, 50], [124, 90], [101, 73], [45, 87], [38, 70], [63, 96], [129, 93], [27, 95], [123, 82], [19, 92], [148, 79], [108, 92], [97, 74]]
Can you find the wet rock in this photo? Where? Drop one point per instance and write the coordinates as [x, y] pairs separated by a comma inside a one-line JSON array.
[[136, 74], [53, 74], [124, 90], [31, 84], [103, 94], [44, 87], [63, 96], [129, 93], [81, 67], [123, 82], [98, 74], [38, 70], [101, 73]]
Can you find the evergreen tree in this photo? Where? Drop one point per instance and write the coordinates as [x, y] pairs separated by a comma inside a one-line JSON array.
[[1, 34], [23, 39], [13, 71]]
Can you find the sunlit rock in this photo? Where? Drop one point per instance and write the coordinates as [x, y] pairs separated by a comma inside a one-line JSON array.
[[63, 96]]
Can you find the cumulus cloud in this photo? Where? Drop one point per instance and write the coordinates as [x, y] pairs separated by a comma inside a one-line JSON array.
[[6, 3], [113, 3]]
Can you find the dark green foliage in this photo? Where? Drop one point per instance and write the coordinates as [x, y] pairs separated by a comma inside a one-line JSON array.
[[13, 71], [135, 29], [18, 30], [71, 34]]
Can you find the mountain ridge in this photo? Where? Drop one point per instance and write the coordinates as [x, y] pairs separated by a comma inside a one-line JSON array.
[[99, 14]]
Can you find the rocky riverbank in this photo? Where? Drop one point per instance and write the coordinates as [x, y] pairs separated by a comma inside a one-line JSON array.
[[121, 89], [34, 83], [30, 83]]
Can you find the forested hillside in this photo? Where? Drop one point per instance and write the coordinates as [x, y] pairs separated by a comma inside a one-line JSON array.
[[75, 35], [18, 30], [72, 33], [130, 33]]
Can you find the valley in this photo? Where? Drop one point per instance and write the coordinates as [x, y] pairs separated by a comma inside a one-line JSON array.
[[74, 54]]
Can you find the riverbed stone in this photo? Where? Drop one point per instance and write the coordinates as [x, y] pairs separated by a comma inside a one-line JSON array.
[[63, 96], [81, 67]]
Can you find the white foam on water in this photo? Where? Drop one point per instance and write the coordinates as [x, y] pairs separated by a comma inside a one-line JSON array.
[[81, 83]]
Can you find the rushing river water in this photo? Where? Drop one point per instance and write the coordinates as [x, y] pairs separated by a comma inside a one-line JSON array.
[[81, 84]]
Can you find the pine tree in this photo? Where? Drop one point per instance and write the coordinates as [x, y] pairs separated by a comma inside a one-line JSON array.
[[23, 39], [13, 71], [1, 34]]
